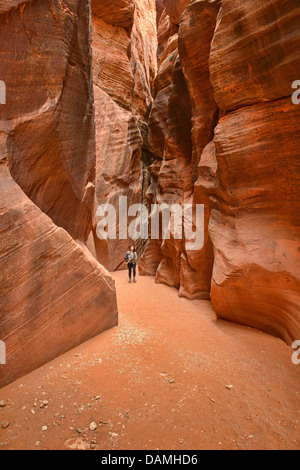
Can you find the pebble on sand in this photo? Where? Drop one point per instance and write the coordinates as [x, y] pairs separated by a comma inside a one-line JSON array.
[[93, 445], [93, 426], [5, 424]]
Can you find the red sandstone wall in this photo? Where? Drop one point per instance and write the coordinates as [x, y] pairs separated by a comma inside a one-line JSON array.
[[124, 50], [201, 89], [227, 135], [255, 222], [53, 294]]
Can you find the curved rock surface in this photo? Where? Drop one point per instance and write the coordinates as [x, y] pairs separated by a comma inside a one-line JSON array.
[[255, 225], [112, 71], [185, 102], [181, 124], [175, 9], [196, 32], [124, 70], [54, 294], [117, 13], [255, 52], [239, 60], [255, 222], [119, 144], [197, 266], [50, 126]]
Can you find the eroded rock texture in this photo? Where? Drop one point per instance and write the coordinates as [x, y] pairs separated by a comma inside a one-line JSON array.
[[255, 224], [181, 125], [199, 93], [54, 294], [46, 65], [199, 21], [175, 9], [124, 70], [255, 52], [117, 13], [239, 156]]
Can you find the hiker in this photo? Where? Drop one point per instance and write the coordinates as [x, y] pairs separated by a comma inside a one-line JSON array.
[[130, 258]]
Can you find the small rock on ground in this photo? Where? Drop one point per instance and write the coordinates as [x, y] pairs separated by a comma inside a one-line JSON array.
[[93, 426], [5, 424]]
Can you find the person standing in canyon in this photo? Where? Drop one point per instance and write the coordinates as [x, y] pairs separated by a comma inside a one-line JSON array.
[[131, 258]]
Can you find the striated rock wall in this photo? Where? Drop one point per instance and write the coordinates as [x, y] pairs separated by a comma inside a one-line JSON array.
[[175, 9], [181, 125], [184, 102], [117, 13], [48, 118], [124, 50], [53, 293], [226, 134], [255, 52], [255, 223]]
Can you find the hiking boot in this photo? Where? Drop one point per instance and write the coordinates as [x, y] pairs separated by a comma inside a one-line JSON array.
[[129, 281], [134, 280]]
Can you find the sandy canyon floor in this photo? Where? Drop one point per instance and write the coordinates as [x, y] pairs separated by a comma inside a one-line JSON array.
[[171, 376]]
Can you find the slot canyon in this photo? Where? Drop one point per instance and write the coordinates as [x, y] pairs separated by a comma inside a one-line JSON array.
[[161, 103]]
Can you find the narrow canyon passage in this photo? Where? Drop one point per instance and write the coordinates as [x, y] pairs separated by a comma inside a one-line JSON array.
[[139, 383], [173, 126]]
